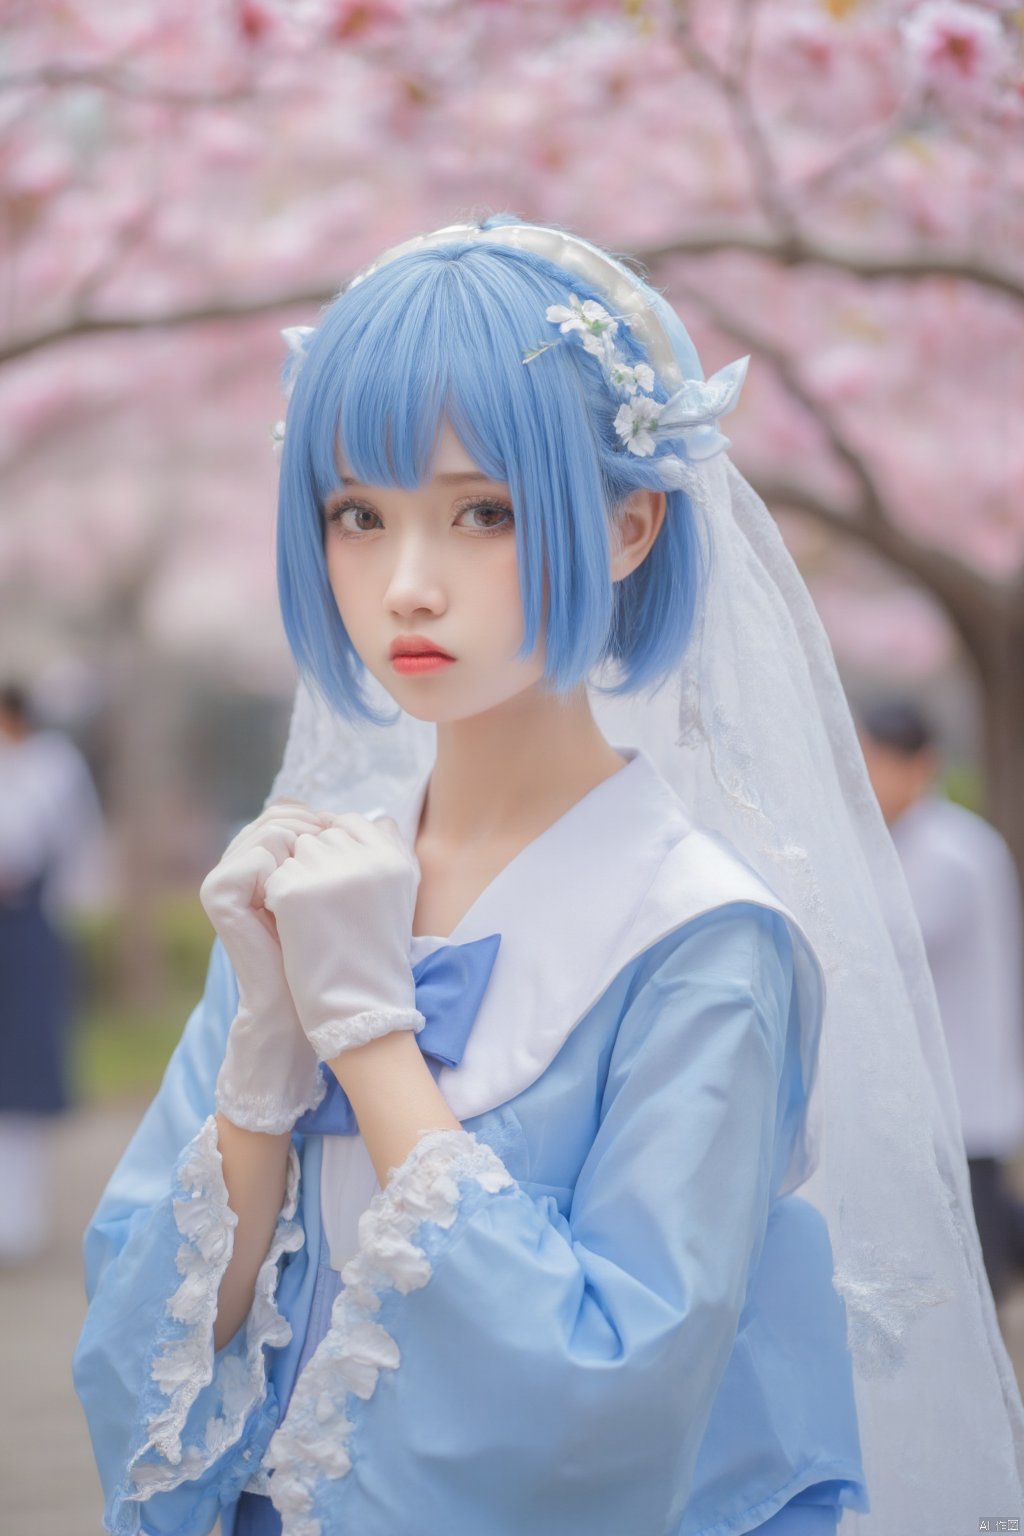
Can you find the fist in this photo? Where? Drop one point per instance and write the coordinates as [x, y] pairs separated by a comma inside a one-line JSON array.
[[344, 904], [237, 882], [232, 895]]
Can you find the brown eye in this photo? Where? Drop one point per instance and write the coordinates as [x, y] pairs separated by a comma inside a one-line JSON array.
[[497, 516], [351, 517]]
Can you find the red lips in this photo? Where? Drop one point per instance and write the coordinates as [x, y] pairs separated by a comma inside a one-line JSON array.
[[417, 645]]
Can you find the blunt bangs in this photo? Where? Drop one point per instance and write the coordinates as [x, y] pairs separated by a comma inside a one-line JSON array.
[[440, 335]]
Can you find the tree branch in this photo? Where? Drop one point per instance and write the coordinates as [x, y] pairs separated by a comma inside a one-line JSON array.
[[802, 250], [856, 150], [871, 508], [968, 597], [119, 82], [765, 182], [126, 239], [98, 325], [787, 252]]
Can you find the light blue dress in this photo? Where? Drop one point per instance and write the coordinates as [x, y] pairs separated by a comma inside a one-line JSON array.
[[589, 1313]]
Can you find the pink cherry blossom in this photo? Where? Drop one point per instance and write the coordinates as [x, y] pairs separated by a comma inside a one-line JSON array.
[[955, 49]]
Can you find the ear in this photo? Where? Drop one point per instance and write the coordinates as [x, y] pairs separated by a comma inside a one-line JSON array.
[[636, 525]]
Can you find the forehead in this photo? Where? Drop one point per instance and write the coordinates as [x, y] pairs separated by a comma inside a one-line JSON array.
[[450, 459]]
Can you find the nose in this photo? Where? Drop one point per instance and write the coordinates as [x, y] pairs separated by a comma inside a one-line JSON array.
[[415, 584]]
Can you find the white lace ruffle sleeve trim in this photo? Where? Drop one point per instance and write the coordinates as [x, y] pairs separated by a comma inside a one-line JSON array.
[[331, 1039], [265, 1111], [313, 1440], [187, 1363]]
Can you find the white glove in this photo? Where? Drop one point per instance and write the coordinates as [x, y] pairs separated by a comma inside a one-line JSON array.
[[344, 905], [270, 1074]]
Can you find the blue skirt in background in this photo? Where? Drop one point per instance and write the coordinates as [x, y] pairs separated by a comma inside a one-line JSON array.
[[37, 977]]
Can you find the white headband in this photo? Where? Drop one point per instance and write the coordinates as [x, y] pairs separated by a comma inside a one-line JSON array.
[[624, 291], [694, 406]]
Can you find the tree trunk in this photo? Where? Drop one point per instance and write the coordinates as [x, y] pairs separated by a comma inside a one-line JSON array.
[[1002, 682], [141, 740], [987, 615], [143, 744]]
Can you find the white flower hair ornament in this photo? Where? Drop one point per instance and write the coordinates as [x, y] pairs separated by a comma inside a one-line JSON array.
[[692, 413], [297, 337]]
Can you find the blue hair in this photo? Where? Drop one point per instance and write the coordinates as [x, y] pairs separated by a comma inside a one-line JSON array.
[[439, 334]]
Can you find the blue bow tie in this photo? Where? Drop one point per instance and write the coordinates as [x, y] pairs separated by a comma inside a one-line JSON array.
[[450, 984]]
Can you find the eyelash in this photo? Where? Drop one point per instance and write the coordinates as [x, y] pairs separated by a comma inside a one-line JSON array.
[[336, 513]]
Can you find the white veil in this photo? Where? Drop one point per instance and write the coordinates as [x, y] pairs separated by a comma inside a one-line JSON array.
[[756, 737]]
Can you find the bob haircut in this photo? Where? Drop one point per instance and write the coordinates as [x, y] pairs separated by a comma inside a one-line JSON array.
[[439, 334]]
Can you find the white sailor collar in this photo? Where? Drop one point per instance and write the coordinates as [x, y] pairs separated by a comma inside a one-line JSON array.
[[621, 869]]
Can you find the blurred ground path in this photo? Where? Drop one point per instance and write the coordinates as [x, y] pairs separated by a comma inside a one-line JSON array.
[[47, 1474], [48, 1483]]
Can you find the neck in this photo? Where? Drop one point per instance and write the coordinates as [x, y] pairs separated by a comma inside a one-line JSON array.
[[516, 767]]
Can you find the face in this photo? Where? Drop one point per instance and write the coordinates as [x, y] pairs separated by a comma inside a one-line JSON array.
[[898, 778], [438, 562]]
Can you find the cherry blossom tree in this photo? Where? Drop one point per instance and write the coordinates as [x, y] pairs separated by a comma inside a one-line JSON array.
[[836, 186]]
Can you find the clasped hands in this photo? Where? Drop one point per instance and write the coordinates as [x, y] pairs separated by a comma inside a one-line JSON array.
[[315, 911]]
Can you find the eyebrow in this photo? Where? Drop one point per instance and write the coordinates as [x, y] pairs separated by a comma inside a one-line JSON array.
[[456, 477], [459, 475]]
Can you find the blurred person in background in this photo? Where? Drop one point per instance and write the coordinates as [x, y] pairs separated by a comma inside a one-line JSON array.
[[965, 889], [52, 862]]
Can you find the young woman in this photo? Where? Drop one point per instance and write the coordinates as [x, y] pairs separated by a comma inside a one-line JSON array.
[[469, 1203]]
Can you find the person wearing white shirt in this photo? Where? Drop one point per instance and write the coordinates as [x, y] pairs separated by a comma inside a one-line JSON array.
[[964, 885], [52, 862]]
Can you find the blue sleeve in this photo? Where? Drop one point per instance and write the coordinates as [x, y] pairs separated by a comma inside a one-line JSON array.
[[493, 1366], [177, 1429]]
